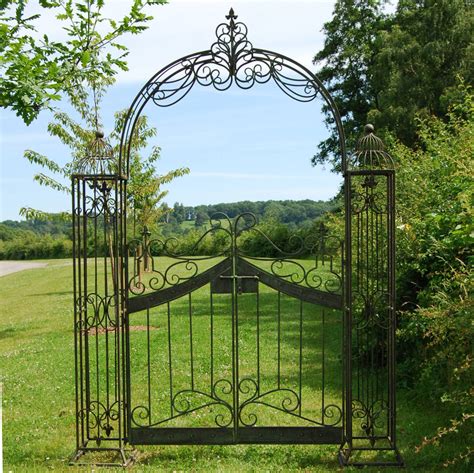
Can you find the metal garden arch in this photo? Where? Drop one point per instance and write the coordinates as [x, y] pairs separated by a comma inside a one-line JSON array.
[[137, 384]]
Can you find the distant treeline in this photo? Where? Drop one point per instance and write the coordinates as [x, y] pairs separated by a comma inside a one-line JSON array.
[[285, 211], [35, 239]]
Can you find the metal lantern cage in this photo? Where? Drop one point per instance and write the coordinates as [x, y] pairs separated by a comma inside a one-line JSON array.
[[120, 282]]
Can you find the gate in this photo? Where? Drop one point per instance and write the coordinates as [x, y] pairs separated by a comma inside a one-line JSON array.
[[201, 373], [218, 344]]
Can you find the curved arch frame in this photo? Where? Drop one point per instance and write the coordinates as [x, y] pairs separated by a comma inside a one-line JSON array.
[[231, 60]]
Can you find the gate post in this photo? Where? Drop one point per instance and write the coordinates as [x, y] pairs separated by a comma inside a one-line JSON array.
[[98, 218], [370, 317]]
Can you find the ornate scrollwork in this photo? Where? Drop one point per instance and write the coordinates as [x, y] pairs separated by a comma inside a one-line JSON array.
[[232, 59], [371, 310], [188, 401], [100, 202], [366, 197], [98, 312], [288, 401], [372, 417], [315, 262], [146, 274], [101, 419], [332, 415]]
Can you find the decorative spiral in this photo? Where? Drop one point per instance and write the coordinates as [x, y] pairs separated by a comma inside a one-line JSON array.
[[288, 269], [221, 387], [139, 415], [180, 271], [313, 279], [332, 414]]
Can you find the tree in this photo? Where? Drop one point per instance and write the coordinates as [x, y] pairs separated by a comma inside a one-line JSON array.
[[201, 218], [144, 186], [347, 59], [36, 70], [179, 212], [390, 68]]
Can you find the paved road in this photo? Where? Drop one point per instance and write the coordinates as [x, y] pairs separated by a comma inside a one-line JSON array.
[[8, 267]]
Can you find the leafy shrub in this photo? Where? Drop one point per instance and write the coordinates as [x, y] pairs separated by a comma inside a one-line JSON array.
[[35, 247]]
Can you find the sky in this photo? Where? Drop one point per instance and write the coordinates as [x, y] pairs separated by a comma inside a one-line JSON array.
[[239, 145]]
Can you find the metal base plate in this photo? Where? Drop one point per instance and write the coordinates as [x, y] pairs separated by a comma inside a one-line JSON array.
[[124, 457]]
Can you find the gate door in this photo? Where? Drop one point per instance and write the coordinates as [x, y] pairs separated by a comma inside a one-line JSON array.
[[234, 347]]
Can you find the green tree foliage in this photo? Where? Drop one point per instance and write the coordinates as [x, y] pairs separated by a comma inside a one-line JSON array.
[[388, 69], [347, 59], [435, 264], [201, 219], [37, 70], [436, 237], [144, 186], [296, 212]]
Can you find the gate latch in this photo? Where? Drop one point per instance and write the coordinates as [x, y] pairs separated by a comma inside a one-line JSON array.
[[245, 283]]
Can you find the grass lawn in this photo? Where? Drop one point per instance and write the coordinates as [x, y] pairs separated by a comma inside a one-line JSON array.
[[36, 349]]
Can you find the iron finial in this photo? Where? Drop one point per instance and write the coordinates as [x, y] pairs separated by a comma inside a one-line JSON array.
[[98, 158], [369, 128], [370, 151], [231, 15]]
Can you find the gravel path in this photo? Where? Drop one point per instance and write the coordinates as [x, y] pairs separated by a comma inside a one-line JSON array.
[[8, 267]]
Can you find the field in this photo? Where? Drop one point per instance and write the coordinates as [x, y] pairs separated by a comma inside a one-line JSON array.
[[38, 395]]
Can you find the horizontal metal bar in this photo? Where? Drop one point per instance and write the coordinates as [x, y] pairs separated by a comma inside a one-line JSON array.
[[239, 277], [244, 435], [372, 172], [181, 436], [135, 304], [290, 435], [307, 294]]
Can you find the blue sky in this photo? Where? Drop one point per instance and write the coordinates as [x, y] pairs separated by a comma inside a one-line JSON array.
[[252, 145]]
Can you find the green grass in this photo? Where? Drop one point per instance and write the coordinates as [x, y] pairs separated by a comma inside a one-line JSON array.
[[36, 349]]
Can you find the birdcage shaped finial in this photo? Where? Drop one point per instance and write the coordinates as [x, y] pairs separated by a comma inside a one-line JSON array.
[[370, 152], [99, 159]]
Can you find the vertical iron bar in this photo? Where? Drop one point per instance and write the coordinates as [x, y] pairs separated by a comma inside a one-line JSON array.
[[191, 341], [98, 306], [212, 341], [86, 328], [279, 339], [258, 338], [122, 216], [323, 361], [169, 358], [235, 335], [301, 356], [392, 314], [366, 378], [81, 307], [106, 310], [148, 362], [76, 328], [120, 316], [342, 341], [348, 306]]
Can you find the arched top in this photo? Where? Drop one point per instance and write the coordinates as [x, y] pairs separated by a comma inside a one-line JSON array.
[[232, 59]]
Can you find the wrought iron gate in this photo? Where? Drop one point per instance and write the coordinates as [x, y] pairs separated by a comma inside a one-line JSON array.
[[214, 387], [226, 346]]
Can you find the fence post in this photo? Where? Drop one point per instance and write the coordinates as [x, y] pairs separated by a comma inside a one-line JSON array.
[[370, 316]]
